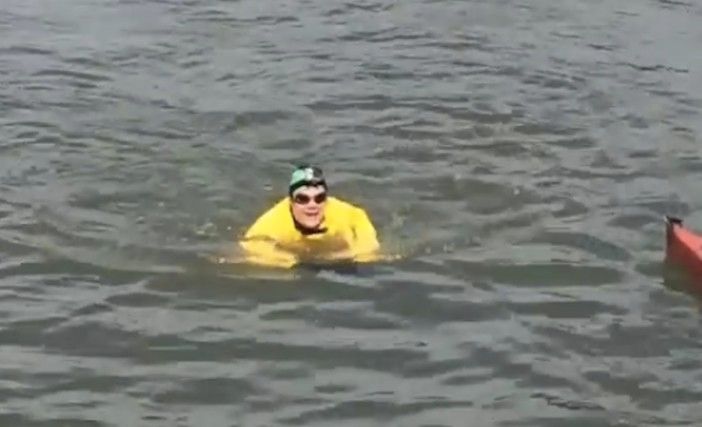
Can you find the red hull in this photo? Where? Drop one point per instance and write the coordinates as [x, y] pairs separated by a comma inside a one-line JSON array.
[[684, 248]]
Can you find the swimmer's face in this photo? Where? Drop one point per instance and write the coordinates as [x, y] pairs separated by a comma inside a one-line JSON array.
[[308, 205]]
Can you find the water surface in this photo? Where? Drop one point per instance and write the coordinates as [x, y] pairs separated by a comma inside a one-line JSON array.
[[522, 154]]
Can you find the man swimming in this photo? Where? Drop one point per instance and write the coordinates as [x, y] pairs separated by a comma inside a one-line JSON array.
[[308, 225]]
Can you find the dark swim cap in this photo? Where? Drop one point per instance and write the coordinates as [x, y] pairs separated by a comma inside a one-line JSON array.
[[306, 175]]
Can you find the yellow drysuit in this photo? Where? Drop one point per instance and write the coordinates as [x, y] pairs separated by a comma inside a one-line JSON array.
[[345, 234]]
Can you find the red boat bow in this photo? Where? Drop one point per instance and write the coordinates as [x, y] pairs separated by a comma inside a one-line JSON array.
[[684, 248]]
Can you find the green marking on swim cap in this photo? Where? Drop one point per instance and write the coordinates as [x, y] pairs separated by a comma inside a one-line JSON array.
[[302, 175]]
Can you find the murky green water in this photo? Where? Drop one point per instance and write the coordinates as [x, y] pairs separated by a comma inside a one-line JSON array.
[[521, 154]]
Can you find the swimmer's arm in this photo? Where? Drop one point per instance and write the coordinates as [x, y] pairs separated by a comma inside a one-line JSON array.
[[267, 253], [366, 238], [260, 247]]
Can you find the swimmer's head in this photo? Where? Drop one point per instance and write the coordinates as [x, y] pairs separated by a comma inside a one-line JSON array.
[[308, 196]]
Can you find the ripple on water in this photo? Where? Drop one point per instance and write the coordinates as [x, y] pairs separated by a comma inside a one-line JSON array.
[[368, 408], [207, 391], [23, 420], [583, 241], [536, 274], [357, 319]]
